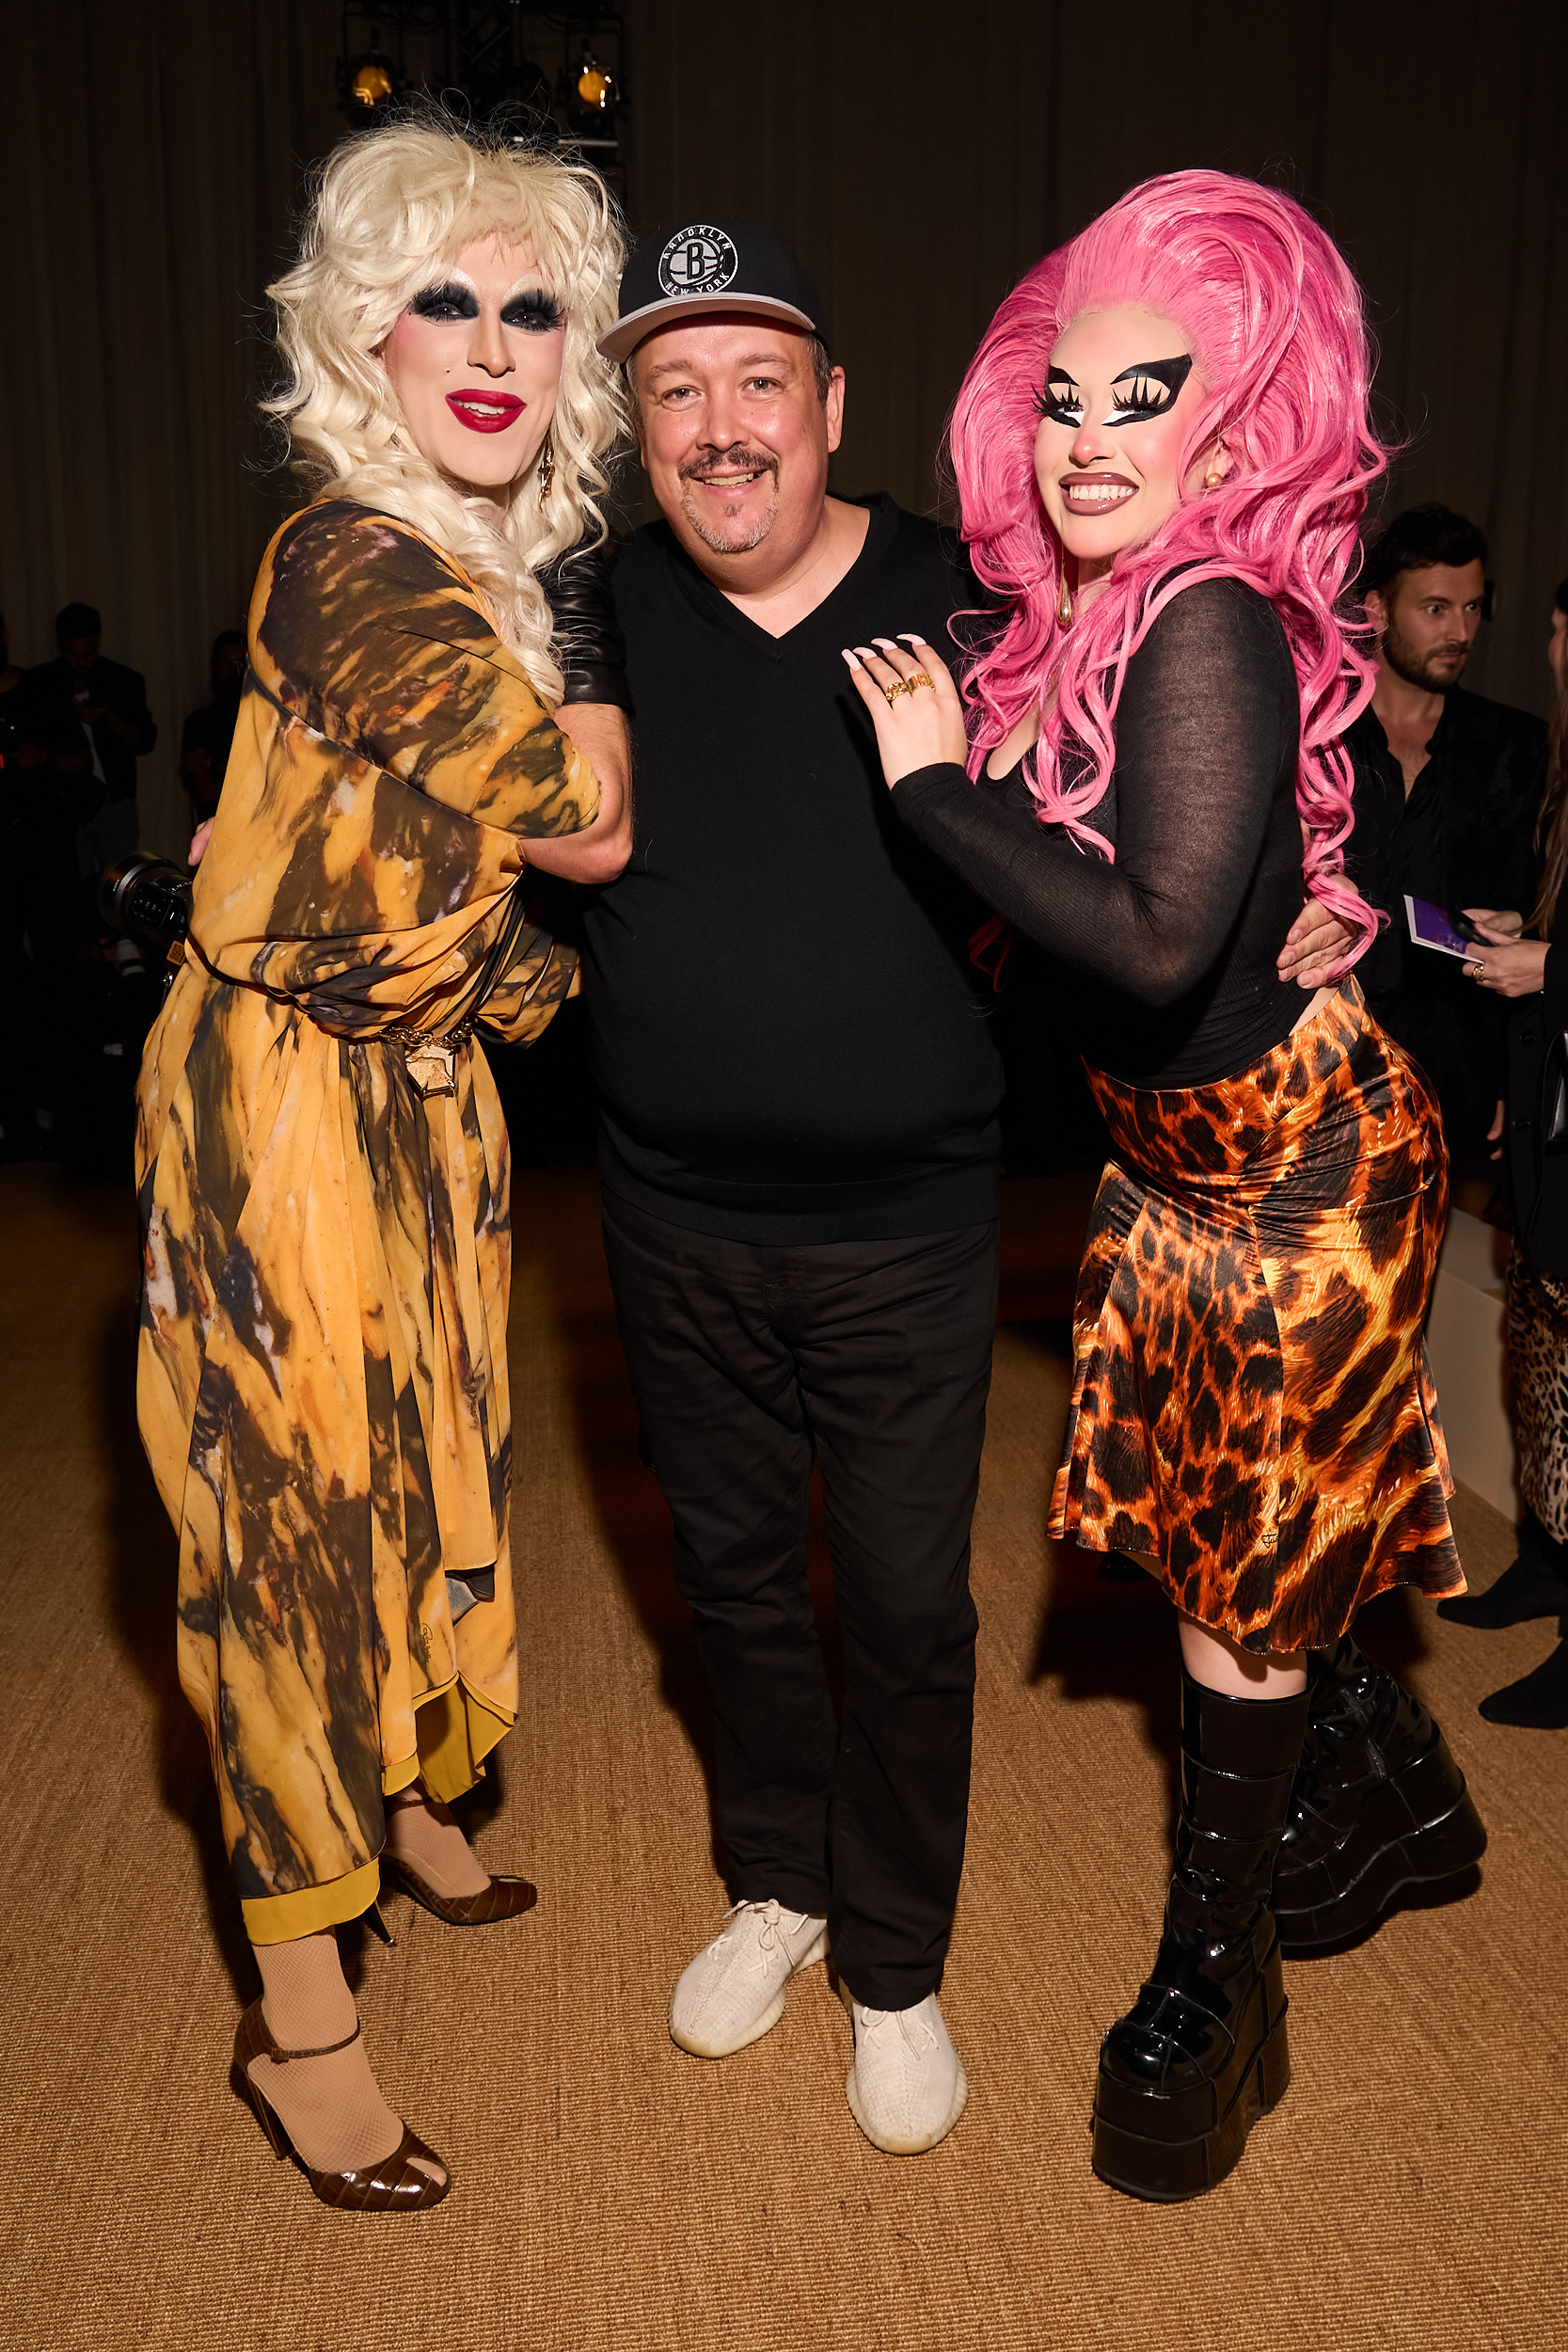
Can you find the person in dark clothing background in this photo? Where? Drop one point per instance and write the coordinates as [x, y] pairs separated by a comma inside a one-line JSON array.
[[205, 740], [19, 801], [1447, 786], [1529, 975], [84, 724], [10, 681], [90, 717], [799, 1161]]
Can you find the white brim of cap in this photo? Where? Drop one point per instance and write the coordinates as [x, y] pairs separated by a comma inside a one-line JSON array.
[[625, 336]]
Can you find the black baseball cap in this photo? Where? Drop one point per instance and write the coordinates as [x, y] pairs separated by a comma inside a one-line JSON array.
[[733, 263]]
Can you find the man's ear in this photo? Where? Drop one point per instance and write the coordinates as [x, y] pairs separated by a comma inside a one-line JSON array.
[[1376, 611], [834, 407]]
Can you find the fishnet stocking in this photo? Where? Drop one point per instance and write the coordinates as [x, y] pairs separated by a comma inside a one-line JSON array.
[[330, 2106], [422, 1831]]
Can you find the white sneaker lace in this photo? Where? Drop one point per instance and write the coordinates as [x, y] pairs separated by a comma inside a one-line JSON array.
[[774, 1919], [909, 2022]]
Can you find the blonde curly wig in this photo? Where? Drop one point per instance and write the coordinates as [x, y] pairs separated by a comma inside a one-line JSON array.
[[391, 211]]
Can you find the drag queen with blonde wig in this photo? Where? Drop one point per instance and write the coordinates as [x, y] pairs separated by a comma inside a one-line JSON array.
[[322, 1159], [1163, 449]]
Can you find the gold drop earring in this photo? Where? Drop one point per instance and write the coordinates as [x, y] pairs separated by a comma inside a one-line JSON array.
[[546, 471], [1064, 604]]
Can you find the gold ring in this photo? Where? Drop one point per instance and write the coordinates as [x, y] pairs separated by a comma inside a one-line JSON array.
[[919, 678], [893, 692]]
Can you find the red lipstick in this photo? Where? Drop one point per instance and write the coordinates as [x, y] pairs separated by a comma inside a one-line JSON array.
[[485, 411]]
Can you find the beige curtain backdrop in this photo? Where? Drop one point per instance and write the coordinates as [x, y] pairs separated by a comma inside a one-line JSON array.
[[154, 152]]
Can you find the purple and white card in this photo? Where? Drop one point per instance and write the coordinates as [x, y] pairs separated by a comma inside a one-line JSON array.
[[1430, 927]]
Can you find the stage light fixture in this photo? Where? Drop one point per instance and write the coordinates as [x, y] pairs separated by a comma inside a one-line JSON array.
[[369, 85], [373, 84], [473, 56]]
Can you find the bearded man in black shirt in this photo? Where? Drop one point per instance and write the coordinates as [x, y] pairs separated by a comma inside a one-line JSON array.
[[799, 1157], [1448, 788]]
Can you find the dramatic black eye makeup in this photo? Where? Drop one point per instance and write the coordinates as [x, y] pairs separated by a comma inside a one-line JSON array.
[[534, 311], [1147, 389], [443, 303], [1061, 401]]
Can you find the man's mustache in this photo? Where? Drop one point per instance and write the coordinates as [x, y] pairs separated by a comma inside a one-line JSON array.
[[737, 460]]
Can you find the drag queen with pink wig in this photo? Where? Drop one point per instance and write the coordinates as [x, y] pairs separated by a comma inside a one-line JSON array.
[[1163, 451]]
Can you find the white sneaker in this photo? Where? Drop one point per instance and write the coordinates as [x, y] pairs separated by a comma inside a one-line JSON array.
[[734, 1992], [907, 2087]]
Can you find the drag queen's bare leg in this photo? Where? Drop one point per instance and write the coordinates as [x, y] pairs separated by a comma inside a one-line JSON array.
[[1221, 1664]]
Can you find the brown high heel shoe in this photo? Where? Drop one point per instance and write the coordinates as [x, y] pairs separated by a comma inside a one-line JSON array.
[[503, 1898], [395, 2184]]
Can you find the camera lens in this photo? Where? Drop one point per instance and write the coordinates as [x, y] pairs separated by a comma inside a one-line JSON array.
[[147, 899]]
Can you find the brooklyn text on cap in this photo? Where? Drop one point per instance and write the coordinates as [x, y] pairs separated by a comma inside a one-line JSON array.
[[705, 266]]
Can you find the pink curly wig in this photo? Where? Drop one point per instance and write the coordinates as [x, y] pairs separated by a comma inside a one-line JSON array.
[[1280, 347]]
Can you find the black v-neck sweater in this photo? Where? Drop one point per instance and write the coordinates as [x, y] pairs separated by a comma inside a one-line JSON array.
[[789, 1041]]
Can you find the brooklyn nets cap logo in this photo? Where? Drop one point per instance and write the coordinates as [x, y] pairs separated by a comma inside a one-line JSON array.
[[698, 260]]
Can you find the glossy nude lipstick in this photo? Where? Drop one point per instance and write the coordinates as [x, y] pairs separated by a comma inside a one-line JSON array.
[[1096, 493], [485, 412]]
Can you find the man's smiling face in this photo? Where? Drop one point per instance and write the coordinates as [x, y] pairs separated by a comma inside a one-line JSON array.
[[735, 434]]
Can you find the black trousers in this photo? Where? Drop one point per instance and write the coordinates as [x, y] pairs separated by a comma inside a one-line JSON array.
[[746, 1359]]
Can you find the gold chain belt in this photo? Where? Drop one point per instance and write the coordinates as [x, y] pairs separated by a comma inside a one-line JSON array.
[[431, 1058]]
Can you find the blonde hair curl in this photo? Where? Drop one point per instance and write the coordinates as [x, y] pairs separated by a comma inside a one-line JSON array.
[[391, 210]]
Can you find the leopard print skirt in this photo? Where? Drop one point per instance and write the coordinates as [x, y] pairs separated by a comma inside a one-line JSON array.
[[1537, 1375], [1252, 1406]]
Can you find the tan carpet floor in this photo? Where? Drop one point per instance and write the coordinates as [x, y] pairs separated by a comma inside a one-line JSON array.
[[613, 2194]]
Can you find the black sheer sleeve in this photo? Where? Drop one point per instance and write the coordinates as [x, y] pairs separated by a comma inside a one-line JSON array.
[[1206, 732], [589, 644]]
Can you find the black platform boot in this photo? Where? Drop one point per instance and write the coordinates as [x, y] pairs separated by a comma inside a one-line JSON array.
[[1379, 1805], [1202, 2055]]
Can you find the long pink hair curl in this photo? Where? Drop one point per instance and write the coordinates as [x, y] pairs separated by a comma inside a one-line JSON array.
[[1280, 347]]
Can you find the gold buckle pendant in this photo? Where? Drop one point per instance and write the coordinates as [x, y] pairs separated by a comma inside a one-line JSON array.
[[431, 1061], [432, 1067]]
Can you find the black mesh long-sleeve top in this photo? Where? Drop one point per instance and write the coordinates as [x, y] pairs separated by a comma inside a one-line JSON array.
[[1170, 951]]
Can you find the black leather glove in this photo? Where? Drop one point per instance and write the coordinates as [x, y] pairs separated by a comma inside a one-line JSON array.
[[589, 644]]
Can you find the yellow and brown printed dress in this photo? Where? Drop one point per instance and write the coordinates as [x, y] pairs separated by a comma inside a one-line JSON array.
[[322, 1385]]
